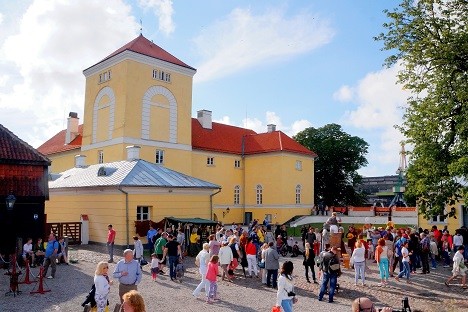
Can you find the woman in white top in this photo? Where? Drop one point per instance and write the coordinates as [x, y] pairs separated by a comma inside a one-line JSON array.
[[225, 258], [285, 294], [381, 256], [102, 284], [202, 260], [137, 249], [358, 259]]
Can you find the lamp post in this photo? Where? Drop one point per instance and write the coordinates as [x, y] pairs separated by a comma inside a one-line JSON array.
[[10, 202], [14, 290]]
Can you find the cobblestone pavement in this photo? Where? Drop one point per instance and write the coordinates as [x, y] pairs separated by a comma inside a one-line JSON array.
[[69, 288]]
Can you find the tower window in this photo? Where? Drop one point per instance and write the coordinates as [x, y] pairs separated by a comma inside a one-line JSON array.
[[237, 163], [161, 75], [298, 165], [105, 76]]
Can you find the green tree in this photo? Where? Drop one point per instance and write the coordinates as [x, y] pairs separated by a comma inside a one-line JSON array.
[[429, 39], [340, 155]]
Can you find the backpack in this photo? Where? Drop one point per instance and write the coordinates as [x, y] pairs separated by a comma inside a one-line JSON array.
[[334, 265]]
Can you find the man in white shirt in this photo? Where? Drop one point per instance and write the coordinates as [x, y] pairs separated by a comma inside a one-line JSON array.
[[28, 252], [457, 240]]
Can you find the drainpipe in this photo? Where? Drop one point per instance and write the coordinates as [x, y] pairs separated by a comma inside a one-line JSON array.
[[211, 203], [244, 188], [127, 218]]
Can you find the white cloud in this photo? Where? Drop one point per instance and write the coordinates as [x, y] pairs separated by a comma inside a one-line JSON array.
[[344, 94], [163, 10], [298, 126], [379, 100], [3, 80], [260, 126], [379, 103], [1, 18], [45, 57], [224, 120], [245, 40]]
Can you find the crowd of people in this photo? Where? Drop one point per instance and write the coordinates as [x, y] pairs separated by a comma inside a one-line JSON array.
[[221, 250]]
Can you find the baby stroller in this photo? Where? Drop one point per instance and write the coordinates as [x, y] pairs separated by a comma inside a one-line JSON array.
[[282, 248]]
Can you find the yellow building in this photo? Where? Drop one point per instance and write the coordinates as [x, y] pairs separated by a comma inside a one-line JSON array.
[[140, 95], [459, 218]]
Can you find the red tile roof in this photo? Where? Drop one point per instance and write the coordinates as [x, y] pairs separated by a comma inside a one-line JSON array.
[[56, 144], [228, 139], [16, 151], [273, 142], [143, 46], [221, 138]]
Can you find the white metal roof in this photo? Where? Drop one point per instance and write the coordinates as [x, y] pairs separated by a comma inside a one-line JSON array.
[[126, 173]]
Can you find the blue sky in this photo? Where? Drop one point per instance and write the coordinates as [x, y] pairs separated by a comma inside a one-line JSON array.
[[292, 63]]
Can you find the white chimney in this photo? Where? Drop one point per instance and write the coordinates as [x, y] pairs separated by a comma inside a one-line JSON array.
[[133, 152], [204, 118], [271, 128], [80, 161], [72, 127]]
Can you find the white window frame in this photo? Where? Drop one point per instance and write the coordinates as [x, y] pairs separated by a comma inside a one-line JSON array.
[[237, 163], [161, 75], [100, 157], [298, 165], [159, 157], [105, 76], [438, 219], [259, 194], [141, 214], [237, 195], [210, 161], [298, 194]]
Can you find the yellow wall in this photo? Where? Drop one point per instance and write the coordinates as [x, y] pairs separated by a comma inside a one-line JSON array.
[[109, 208], [452, 223]]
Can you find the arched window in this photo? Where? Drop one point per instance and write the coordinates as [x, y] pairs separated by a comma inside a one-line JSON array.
[[259, 194], [298, 194], [237, 195]]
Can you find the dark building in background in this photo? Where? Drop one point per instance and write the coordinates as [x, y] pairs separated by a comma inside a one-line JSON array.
[[23, 174], [379, 190]]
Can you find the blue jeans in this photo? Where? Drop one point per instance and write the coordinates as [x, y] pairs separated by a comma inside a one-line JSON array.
[[287, 305], [360, 271], [433, 261], [272, 278], [331, 292], [172, 265], [110, 250], [406, 270]]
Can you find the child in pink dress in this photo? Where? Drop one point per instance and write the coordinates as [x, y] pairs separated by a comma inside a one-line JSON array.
[[211, 276]]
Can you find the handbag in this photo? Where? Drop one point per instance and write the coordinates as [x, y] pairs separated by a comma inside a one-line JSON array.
[[276, 309], [143, 261], [261, 265]]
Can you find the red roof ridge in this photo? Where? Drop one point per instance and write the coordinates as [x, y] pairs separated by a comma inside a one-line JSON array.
[[142, 45], [12, 148]]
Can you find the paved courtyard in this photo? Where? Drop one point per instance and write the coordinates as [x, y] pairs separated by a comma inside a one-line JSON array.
[[72, 283]]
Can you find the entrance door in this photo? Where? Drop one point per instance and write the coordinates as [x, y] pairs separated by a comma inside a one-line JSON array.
[[247, 218]]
